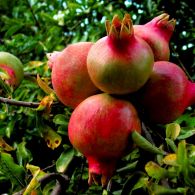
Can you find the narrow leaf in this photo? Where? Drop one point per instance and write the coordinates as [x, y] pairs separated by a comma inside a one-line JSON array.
[[171, 144], [44, 86], [143, 143], [64, 160], [162, 190], [133, 180], [24, 156]]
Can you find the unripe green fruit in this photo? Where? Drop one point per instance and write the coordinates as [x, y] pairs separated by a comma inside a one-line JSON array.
[[11, 69]]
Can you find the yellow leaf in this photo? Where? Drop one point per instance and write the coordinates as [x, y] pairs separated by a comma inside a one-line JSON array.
[[44, 86], [172, 130], [155, 171], [52, 139], [5, 146], [34, 183], [170, 159], [36, 63], [46, 103]]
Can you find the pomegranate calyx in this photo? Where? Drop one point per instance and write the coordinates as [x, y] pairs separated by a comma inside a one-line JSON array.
[[52, 58], [98, 179], [120, 29], [163, 21]]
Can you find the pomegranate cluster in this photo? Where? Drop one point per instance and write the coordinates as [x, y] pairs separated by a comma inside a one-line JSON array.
[[94, 78]]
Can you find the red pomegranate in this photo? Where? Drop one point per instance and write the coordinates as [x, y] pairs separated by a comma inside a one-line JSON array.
[[99, 128], [11, 69], [120, 63], [167, 93], [70, 78], [157, 33]]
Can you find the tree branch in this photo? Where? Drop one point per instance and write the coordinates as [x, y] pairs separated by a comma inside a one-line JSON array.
[[19, 103], [33, 14]]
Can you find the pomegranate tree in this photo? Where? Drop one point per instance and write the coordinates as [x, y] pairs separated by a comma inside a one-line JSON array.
[[99, 128], [121, 62], [70, 78], [167, 93], [157, 34], [11, 69]]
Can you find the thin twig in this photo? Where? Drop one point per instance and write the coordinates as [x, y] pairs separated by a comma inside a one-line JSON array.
[[147, 134], [19, 103], [33, 14], [23, 103], [181, 64]]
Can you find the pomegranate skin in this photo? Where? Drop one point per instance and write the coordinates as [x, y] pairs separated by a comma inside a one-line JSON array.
[[120, 63], [167, 93], [157, 33], [99, 128], [70, 77]]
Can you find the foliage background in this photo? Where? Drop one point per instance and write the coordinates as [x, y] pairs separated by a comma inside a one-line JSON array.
[[30, 29]]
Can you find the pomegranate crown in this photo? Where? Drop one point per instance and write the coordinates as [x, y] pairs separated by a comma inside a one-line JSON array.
[[163, 21], [120, 29]]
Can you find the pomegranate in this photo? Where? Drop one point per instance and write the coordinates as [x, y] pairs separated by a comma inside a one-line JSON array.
[[167, 93], [11, 69], [70, 77], [99, 128], [157, 33], [120, 62]]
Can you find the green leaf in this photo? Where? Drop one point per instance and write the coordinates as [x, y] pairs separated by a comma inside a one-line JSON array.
[[182, 158], [10, 127], [162, 190], [183, 164], [64, 160], [60, 119], [13, 29], [128, 167], [135, 181], [171, 144], [186, 134], [24, 155], [11, 170], [143, 143]]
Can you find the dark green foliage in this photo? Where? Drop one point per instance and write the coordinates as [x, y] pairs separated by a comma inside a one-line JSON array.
[[30, 29]]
